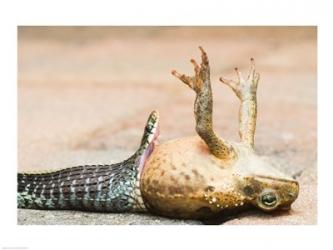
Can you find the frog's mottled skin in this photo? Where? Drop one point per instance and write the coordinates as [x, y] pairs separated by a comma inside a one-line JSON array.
[[183, 179], [198, 177], [204, 176]]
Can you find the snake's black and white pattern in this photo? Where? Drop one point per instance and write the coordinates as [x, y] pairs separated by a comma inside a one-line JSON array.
[[103, 188]]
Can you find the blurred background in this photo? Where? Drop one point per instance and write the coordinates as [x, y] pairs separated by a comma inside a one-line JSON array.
[[84, 94]]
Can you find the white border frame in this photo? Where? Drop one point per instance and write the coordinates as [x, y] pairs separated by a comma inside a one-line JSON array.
[[171, 12]]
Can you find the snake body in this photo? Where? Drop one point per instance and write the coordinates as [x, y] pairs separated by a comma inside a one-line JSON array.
[[104, 188]]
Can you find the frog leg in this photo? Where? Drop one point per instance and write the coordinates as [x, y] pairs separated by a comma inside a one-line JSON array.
[[246, 91], [203, 107]]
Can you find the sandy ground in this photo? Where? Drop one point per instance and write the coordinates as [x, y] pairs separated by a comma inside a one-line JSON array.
[[84, 96]]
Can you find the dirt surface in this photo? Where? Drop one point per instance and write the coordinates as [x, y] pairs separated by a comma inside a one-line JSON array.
[[84, 95]]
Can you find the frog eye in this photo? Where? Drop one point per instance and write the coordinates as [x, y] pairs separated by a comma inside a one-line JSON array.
[[269, 199]]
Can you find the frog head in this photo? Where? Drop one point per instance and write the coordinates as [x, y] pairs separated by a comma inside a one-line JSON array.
[[263, 185], [268, 193]]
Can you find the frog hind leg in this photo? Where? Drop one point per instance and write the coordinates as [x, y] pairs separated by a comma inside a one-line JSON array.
[[203, 107]]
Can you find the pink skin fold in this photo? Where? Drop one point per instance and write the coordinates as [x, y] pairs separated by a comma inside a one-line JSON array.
[[149, 149]]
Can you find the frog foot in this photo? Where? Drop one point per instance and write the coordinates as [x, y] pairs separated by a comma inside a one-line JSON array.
[[201, 75], [244, 88]]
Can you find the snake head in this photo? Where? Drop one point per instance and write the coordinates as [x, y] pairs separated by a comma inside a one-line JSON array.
[[149, 139]]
